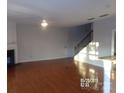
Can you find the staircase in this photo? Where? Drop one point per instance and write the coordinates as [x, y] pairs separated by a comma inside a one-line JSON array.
[[85, 40]]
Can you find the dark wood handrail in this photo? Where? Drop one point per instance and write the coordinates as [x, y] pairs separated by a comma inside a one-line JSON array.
[[84, 37]]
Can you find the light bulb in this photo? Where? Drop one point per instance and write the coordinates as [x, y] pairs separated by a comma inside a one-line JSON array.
[[44, 23]]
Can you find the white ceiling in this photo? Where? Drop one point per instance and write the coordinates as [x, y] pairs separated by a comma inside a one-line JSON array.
[[59, 12]]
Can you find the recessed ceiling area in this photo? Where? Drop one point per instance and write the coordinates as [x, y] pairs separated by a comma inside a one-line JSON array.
[[62, 13]]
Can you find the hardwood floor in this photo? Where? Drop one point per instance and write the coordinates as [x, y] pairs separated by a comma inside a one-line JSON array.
[[54, 76]]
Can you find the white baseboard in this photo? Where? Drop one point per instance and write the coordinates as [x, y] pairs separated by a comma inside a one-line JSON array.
[[31, 60]]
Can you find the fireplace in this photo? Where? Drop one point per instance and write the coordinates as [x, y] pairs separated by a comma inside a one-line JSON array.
[[10, 58]]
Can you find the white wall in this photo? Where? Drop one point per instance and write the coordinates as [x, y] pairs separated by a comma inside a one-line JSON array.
[[11, 37], [103, 31], [11, 32], [36, 44]]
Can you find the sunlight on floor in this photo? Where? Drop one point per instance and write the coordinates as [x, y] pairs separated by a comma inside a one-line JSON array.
[[107, 75]]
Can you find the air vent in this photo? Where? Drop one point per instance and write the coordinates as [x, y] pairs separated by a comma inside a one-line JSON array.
[[91, 18], [103, 15]]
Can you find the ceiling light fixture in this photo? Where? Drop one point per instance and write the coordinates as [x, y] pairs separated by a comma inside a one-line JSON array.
[[44, 23]]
